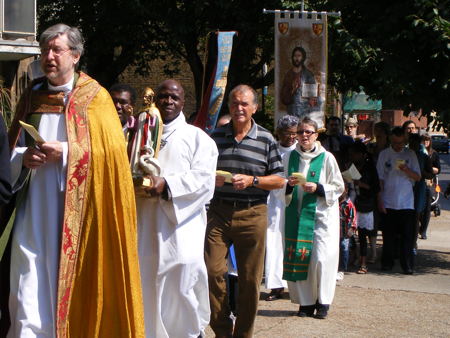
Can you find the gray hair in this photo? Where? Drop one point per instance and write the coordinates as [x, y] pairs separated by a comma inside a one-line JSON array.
[[287, 121], [74, 37], [242, 88], [309, 122]]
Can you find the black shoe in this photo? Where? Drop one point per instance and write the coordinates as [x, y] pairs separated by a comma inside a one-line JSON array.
[[275, 294], [306, 311], [408, 272], [322, 311], [423, 236], [386, 268]]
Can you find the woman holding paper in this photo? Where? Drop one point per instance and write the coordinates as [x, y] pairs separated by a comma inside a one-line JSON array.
[[311, 223]]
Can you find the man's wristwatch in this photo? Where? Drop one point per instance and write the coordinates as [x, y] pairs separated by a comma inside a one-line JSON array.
[[255, 181]]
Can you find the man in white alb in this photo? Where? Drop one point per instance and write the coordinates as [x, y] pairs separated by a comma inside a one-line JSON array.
[[287, 140], [172, 224]]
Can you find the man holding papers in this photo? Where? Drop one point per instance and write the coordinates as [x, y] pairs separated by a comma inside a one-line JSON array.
[[73, 247], [238, 212], [398, 171]]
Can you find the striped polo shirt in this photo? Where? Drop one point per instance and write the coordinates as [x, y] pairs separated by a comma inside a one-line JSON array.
[[256, 155]]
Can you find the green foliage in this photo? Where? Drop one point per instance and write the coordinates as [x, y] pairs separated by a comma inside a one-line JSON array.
[[399, 51], [119, 33], [6, 105], [265, 117]]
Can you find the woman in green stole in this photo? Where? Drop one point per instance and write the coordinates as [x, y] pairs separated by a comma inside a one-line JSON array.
[[311, 253]]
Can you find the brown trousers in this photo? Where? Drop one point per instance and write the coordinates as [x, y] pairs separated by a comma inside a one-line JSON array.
[[246, 229]]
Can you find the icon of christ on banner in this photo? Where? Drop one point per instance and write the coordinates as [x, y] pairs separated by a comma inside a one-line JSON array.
[[301, 65], [299, 88]]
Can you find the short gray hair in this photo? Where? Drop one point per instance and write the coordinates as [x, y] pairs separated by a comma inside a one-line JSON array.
[[73, 34], [242, 88], [286, 122]]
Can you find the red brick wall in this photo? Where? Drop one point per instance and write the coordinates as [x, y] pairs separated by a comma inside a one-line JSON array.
[[157, 75], [396, 118]]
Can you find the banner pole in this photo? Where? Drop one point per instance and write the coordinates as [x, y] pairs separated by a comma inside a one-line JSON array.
[[264, 89], [288, 12]]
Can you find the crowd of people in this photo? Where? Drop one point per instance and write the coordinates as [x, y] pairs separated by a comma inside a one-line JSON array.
[[91, 249]]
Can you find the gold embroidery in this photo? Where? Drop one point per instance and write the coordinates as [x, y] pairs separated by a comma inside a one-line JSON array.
[[76, 189]]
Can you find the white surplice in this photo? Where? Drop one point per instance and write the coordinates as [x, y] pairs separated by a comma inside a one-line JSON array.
[[171, 235], [321, 282], [275, 228], [36, 239]]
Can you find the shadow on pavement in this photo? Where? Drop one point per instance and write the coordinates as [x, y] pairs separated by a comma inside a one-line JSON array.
[[427, 262], [431, 261], [276, 313]]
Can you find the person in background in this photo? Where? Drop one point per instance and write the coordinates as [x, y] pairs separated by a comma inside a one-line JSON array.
[[420, 186], [124, 99], [351, 129], [367, 189], [430, 183], [311, 223], [286, 132], [348, 227], [410, 127], [223, 120], [398, 170], [335, 142], [382, 132]]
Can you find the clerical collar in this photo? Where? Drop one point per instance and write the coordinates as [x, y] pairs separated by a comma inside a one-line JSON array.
[[313, 149], [283, 148], [67, 87]]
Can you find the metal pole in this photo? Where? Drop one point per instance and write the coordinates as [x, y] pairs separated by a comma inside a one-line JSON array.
[[2, 15], [264, 91], [271, 11]]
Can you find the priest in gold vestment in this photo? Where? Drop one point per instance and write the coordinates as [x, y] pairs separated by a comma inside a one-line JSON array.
[[74, 268]]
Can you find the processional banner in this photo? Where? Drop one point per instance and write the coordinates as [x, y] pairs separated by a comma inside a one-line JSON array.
[[215, 79], [301, 64]]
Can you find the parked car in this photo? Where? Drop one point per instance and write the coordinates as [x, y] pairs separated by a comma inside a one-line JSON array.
[[440, 143]]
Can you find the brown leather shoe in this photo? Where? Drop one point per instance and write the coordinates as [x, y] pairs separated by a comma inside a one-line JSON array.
[[275, 294]]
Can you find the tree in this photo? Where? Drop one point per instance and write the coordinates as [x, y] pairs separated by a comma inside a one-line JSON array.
[[399, 51], [121, 33], [117, 33]]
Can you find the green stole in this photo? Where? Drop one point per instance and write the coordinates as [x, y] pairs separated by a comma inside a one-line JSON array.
[[299, 224]]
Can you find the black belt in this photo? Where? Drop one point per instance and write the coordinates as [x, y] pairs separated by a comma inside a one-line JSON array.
[[238, 204]]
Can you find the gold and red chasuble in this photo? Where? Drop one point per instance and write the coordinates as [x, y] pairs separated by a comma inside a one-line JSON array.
[[99, 290]]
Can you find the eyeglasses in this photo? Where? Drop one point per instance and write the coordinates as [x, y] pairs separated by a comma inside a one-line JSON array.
[[306, 132], [287, 134], [56, 51]]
